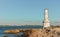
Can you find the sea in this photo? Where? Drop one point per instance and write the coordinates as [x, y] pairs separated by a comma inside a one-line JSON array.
[[3, 28]]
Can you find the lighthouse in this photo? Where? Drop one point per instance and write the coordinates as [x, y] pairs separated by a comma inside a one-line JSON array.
[[46, 22]]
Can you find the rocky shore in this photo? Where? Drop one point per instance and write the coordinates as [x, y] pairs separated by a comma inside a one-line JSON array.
[[45, 32]]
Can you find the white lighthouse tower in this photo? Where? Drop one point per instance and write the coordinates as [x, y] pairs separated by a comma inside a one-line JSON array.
[[46, 22]]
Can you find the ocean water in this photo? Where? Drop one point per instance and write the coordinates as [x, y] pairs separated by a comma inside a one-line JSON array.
[[2, 28]]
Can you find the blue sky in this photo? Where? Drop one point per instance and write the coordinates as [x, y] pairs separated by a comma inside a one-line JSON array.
[[27, 11]]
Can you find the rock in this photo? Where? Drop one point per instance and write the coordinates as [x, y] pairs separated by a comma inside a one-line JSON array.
[[48, 32], [12, 31]]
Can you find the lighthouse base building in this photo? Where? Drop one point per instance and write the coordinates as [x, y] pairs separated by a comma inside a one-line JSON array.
[[46, 23]]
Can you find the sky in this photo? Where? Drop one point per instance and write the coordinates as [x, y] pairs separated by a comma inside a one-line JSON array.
[[28, 11]]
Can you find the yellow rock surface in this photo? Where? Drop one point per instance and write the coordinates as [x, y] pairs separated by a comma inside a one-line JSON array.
[[12, 31]]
